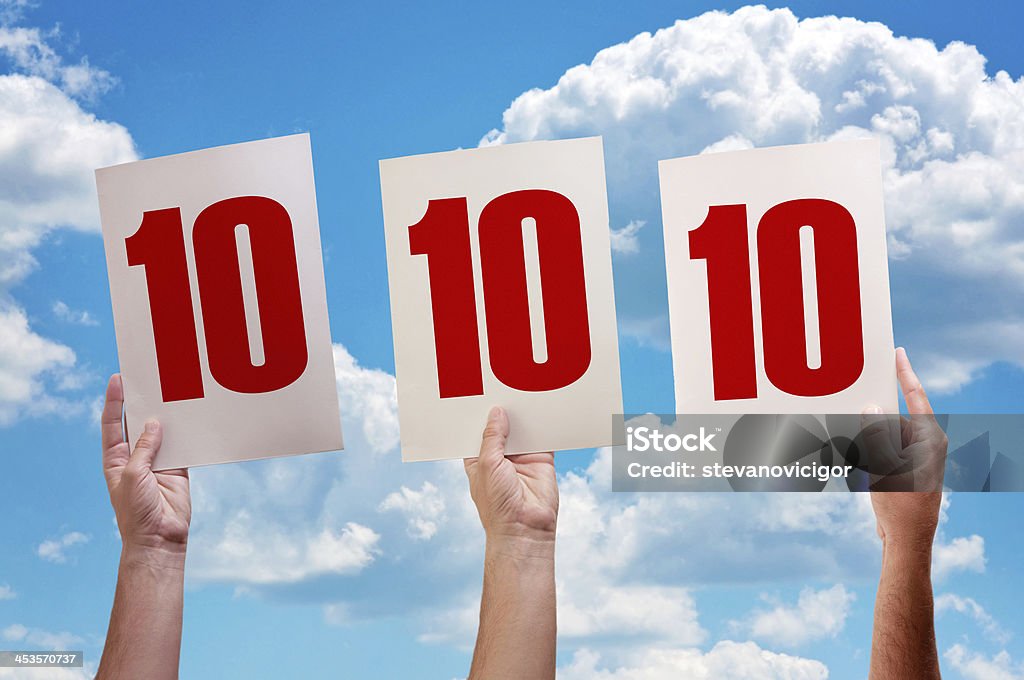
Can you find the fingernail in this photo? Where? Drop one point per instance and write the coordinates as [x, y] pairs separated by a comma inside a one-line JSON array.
[[873, 410], [495, 413], [152, 426]]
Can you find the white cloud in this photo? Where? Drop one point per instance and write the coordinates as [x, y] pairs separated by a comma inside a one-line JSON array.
[[647, 332], [288, 520], [964, 553], [40, 638], [49, 147], [424, 509], [627, 612], [7, 593], [55, 550], [30, 51], [727, 659], [975, 666], [248, 551], [818, 614], [369, 398], [947, 602], [73, 316], [952, 136], [26, 360], [625, 240]]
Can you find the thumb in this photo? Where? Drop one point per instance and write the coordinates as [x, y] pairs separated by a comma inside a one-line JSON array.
[[492, 445], [148, 445]]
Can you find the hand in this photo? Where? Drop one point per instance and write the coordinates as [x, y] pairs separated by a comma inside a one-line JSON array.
[[153, 508], [911, 517], [516, 496]]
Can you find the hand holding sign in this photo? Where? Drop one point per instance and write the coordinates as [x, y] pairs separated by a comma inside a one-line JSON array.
[[778, 283], [499, 265], [219, 304]]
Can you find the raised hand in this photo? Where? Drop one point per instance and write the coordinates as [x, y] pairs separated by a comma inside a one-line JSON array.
[[153, 508], [516, 496]]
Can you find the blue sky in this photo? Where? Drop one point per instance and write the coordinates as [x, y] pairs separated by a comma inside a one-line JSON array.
[[388, 80]]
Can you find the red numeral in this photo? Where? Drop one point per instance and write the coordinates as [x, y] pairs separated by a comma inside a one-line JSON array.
[[159, 246], [443, 235], [277, 294], [563, 290], [722, 241], [782, 302]]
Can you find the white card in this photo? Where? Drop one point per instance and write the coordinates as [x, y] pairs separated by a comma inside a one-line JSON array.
[[508, 300], [778, 282], [222, 329]]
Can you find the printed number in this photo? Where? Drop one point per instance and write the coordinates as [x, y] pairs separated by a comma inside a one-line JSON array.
[[159, 246], [443, 236], [722, 241]]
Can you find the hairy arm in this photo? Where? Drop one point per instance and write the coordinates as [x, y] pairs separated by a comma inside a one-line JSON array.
[[153, 512], [516, 638], [903, 643], [517, 499], [144, 636]]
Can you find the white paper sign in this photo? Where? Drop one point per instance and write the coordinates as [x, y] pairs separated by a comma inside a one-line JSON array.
[[778, 282], [499, 265], [220, 310]]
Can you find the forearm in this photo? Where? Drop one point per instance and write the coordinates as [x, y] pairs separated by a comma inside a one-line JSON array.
[[144, 636], [516, 639], [903, 645]]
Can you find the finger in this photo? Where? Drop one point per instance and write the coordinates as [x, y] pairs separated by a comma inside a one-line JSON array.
[[913, 391], [148, 445], [110, 420], [882, 447], [115, 450], [492, 445]]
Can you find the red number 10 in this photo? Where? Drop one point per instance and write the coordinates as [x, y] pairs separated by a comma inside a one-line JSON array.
[[159, 246], [443, 236], [722, 241]]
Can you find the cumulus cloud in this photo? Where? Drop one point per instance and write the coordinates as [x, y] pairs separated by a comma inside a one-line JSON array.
[[964, 553], [818, 614], [26, 360], [953, 147], [73, 316], [49, 147], [948, 602], [624, 240], [727, 659], [40, 638], [56, 550], [627, 612], [975, 666], [7, 593], [248, 552], [424, 509], [283, 521], [31, 50]]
